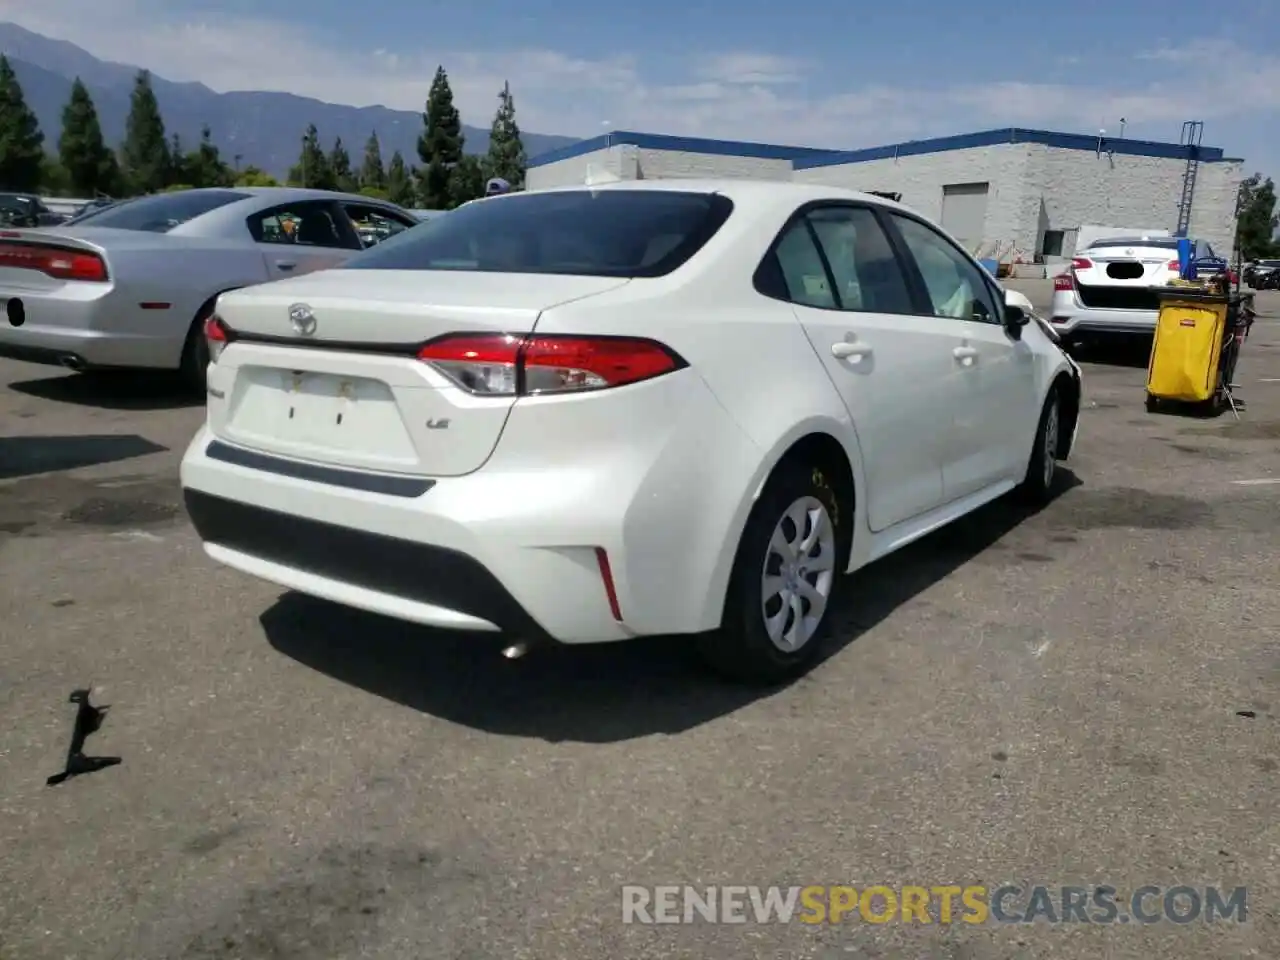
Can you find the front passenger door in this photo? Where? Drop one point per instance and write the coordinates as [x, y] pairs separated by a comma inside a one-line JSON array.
[[991, 394], [849, 293]]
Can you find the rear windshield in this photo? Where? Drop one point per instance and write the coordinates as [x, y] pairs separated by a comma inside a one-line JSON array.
[[1160, 243], [161, 212], [604, 233]]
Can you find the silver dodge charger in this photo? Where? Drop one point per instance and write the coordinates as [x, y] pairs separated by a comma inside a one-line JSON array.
[[131, 285]]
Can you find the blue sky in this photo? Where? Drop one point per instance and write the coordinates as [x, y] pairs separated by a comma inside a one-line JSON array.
[[811, 72]]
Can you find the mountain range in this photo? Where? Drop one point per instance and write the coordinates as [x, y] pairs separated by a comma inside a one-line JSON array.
[[262, 128]]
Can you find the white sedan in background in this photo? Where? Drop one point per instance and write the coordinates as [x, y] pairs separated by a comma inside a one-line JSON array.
[[590, 414], [1109, 287], [131, 285]]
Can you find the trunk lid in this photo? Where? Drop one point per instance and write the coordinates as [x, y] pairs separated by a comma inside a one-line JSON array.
[[1128, 267], [351, 391]]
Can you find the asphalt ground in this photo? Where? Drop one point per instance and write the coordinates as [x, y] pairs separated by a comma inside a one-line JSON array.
[[1089, 695]]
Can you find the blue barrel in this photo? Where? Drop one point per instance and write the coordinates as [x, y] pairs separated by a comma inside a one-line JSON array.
[[991, 266]]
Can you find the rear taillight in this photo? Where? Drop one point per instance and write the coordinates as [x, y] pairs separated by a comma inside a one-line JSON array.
[[1174, 266], [215, 334], [1081, 263], [54, 261], [1063, 281], [511, 365]]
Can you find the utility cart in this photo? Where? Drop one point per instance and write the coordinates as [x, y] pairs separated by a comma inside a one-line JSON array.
[[1197, 343]]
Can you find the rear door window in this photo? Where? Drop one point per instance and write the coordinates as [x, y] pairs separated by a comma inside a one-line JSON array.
[[867, 275], [311, 223], [605, 233]]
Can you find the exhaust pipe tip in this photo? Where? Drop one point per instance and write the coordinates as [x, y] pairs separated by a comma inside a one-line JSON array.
[[516, 650], [73, 363]]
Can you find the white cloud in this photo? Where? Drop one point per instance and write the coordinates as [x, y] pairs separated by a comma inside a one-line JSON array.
[[739, 94]]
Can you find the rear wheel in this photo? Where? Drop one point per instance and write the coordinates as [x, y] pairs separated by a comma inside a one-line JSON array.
[[784, 581], [195, 353]]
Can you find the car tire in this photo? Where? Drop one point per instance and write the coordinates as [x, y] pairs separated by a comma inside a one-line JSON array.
[[194, 368], [1037, 487], [761, 639]]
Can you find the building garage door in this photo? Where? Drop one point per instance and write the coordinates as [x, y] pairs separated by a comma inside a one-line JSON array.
[[964, 212]]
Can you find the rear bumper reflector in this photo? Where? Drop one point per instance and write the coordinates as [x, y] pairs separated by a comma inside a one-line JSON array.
[[606, 575]]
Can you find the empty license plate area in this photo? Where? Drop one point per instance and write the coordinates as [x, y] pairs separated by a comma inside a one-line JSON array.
[[338, 419], [1125, 270]]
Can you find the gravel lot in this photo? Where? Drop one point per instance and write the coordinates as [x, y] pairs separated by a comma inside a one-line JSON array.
[[1087, 695]]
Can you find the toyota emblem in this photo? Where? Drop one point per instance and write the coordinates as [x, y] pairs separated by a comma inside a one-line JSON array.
[[303, 320]]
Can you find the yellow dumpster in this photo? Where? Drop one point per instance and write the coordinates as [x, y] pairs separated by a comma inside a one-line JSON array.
[[1186, 354]]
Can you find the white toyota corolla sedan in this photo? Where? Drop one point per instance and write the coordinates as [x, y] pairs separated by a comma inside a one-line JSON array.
[[596, 413]]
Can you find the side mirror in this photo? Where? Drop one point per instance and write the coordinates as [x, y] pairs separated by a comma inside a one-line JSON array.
[[1015, 318]]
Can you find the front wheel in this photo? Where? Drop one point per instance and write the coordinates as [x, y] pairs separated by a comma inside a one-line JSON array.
[[785, 579], [1037, 488]]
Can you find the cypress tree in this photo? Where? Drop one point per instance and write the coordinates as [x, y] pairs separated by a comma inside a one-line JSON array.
[[372, 174], [400, 189], [145, 156], [506, 157], [22, 160], [91, 167], [440, 144], [340, 168]]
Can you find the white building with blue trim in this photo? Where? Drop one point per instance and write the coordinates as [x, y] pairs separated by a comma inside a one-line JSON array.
[[1005, 193]]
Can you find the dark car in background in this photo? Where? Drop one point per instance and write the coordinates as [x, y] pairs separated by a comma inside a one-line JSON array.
[[1254, 272], [26, 210]]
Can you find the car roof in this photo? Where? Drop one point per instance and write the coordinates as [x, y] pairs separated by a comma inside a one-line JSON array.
[[739, 191], [287, 194]]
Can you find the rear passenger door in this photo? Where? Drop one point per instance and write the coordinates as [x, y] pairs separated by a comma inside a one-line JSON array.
[[991, 387], [835, 265], [298, 238]]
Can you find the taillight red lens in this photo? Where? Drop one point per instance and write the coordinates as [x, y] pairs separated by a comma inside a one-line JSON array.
[[1081, 263], [215, 334], [509, 365], [1174, 265], [1063, 281], [54, 261]]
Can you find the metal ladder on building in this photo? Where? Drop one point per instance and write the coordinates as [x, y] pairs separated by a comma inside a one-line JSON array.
[[1192, 131]]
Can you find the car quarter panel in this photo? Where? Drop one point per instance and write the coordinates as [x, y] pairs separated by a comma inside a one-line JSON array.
[[760, 371], [185, 276]]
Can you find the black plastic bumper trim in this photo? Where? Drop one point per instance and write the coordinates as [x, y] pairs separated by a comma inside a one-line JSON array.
[[419, 572], [383, 483], [45, 355]]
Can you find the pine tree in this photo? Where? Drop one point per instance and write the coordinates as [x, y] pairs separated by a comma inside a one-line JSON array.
[[204, 166], [340, 167], [22, 159], [312, 169], [372, 174], [91, 167], [466, 181], [145, 156], [440, 144], [400, 189], [506, 157]]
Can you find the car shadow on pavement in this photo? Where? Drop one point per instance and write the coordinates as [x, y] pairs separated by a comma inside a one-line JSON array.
[[114, 390], [1132, 352], [26, 456], [596, 693]]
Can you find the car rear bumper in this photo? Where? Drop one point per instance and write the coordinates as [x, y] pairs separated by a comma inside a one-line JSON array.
[[78, 332], [513, 547], [1070, 318]]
